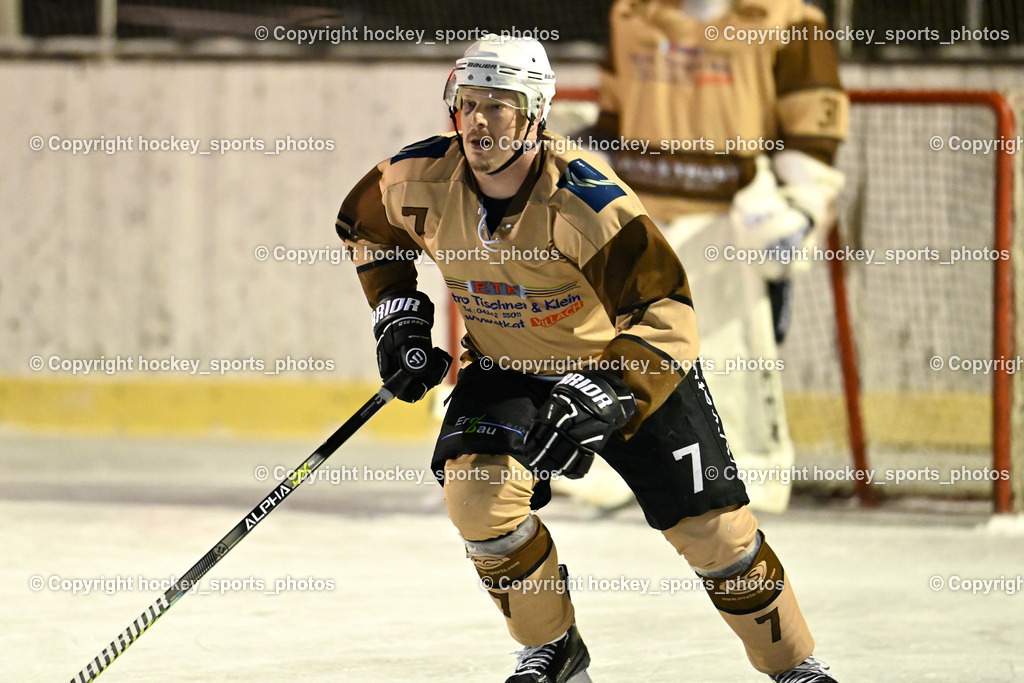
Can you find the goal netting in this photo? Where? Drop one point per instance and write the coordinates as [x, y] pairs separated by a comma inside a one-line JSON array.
[[923, 256]]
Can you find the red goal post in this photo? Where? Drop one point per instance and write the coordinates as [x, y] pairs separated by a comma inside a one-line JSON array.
[[1004, 317], [847, 334]]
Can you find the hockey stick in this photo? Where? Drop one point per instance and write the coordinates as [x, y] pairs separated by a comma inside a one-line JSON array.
[[240, 531]]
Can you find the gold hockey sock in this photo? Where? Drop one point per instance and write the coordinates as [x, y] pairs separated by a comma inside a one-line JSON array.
[[524, 582], [759, 604]]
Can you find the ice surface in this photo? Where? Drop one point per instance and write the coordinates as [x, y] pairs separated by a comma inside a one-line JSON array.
[[397, 600]]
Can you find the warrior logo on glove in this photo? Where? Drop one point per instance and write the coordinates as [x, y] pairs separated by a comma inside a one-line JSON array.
[[398, 304], [576, 422], [415, 359], [589, 389], [405, 359]]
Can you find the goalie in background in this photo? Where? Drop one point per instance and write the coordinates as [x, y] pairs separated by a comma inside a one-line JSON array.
[[746, 112]]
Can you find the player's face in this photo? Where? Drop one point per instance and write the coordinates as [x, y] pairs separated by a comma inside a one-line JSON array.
[[490, 122]]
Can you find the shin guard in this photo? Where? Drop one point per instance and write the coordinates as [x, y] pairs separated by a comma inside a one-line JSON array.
[[760, 606], [524, 582]]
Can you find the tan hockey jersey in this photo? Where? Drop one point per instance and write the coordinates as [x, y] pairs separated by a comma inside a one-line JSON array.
[[576, 276], [710, 97]]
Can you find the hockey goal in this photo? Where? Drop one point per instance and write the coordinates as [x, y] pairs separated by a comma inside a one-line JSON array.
[[925, 329], [901, 360]]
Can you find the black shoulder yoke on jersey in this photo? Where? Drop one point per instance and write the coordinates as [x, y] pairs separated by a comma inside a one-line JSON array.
[[587, 183], [431, 148]]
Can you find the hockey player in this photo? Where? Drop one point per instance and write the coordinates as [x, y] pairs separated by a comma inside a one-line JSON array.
[[581, 340], [742, 100]]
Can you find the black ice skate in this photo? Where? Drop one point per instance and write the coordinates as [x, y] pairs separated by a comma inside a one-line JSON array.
[[809, 671], [563, 661]]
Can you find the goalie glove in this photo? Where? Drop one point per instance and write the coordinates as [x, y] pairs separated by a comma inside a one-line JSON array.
[[811, 187], [764, 220], [576, 422], [405, 359]]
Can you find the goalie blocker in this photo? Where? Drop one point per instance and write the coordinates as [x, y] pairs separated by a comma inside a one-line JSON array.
[[675, 464]]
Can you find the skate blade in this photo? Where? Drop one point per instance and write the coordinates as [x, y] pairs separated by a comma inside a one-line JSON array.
[[581, 677]]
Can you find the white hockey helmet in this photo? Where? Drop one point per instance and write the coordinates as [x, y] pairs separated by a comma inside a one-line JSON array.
[[517, 64]]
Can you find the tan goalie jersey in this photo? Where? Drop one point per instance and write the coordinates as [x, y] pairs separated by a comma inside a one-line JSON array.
[[576, 272], [711, 97]]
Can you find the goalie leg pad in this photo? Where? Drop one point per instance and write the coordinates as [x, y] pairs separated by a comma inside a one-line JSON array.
[[488, 500], [747, 584]]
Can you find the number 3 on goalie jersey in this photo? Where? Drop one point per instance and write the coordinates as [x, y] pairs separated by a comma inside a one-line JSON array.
[[698, 471], [829, 113]]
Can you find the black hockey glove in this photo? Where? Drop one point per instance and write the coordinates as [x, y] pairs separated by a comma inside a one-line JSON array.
[[576, 422], [405, 359]]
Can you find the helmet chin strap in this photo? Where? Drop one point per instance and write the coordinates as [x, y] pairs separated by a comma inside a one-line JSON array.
[[455, 127], [518, 152]]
